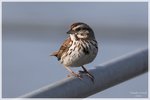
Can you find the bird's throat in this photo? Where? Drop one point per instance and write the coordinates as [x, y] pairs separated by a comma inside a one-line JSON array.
[[74, 37]]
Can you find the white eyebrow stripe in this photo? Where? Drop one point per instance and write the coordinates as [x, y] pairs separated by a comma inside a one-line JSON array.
[[78, 27]]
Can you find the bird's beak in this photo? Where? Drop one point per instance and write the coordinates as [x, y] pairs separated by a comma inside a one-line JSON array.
[[69, 32]]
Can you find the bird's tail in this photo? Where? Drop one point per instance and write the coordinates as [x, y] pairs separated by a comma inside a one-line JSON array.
[[54, 54]]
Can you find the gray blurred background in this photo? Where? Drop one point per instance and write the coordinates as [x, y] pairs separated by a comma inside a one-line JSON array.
[[31, 31]]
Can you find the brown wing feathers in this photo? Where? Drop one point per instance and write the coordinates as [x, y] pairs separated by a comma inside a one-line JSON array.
[[65, 46]]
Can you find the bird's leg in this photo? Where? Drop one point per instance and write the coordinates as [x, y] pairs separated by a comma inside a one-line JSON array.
[[73, 73], [88, 73]]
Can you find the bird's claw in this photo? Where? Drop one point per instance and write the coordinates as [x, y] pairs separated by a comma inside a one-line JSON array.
[[76, 75], [88, 74]]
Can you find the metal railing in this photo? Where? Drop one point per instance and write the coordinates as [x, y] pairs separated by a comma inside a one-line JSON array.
[[106, 75]]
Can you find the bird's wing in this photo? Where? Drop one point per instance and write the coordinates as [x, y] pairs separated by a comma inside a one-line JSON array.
[[64, 47]]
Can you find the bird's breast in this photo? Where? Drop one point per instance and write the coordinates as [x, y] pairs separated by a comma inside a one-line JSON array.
[[80, 53]]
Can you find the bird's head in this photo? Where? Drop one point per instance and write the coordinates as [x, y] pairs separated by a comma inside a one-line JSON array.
[[81, 31]]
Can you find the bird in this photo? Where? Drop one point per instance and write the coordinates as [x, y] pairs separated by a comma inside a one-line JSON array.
[[79, 49]]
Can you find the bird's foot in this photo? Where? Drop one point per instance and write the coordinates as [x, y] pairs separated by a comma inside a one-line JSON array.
[[76, 75], [88, 74]]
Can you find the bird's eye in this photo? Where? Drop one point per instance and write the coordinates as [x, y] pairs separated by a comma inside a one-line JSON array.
[[85, 28], [78, 29]]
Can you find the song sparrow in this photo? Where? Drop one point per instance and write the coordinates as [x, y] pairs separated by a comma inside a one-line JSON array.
[[78, 49]]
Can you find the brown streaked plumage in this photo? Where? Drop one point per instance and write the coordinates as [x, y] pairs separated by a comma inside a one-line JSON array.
[[64, 47], [78, 49]]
